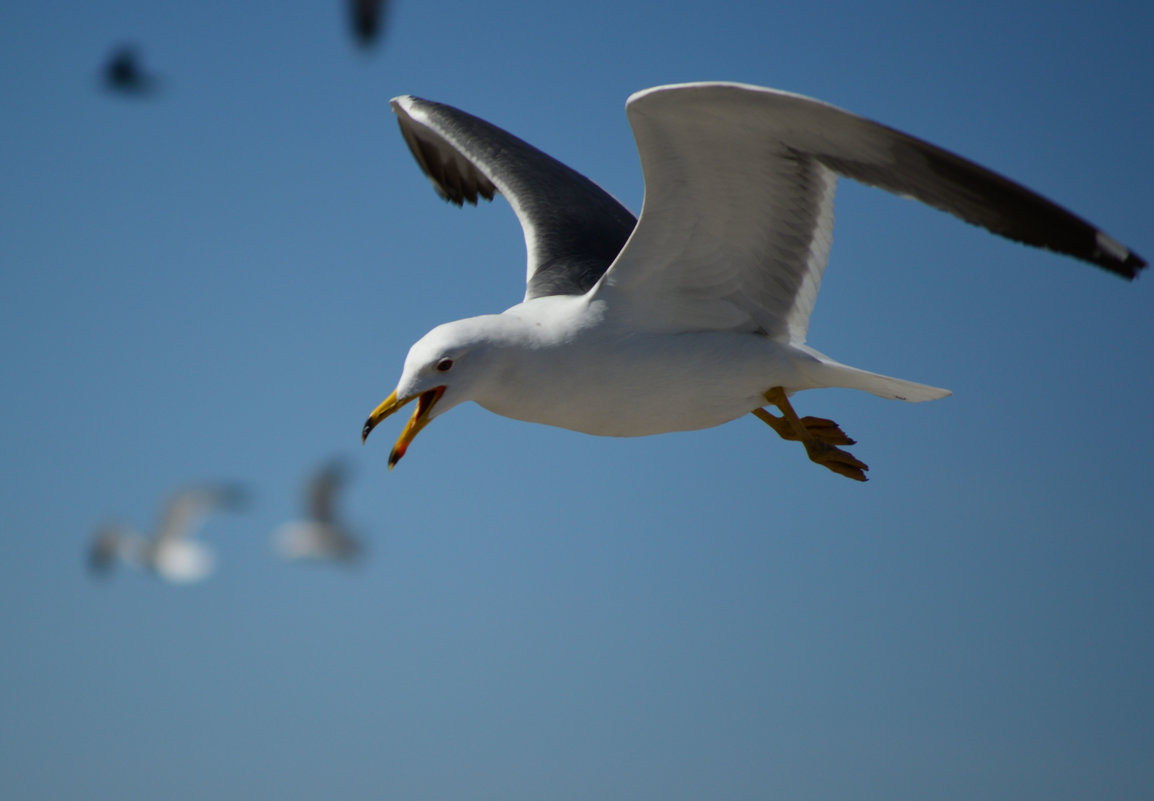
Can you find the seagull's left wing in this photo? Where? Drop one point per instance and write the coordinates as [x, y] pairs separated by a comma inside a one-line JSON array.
[[186, 508], [573, 228], [738, 214]]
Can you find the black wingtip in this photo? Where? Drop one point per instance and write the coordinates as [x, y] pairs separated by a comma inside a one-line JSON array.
[[1133, 265], [1110, 254], [1122, 262]]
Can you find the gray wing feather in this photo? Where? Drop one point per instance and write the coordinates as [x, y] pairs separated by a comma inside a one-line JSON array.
[[738, 213], [982, 197], [573, 228], [877, 155], [322, 490]]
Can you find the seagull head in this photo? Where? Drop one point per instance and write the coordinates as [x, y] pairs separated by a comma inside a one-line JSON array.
[[446, 367]]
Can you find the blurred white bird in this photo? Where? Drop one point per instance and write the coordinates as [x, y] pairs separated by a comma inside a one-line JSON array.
[[171, 552], [320, 535]]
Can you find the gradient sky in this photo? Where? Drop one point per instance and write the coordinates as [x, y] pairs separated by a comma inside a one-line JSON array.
[[221, 281]]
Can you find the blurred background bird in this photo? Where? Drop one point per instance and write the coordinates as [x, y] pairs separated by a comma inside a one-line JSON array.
[[367, 18], [123, 73], [321, 534], [172, 552]]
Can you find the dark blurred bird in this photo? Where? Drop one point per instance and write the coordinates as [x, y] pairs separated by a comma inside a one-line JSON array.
[[367, 18], [171, 552], [124, 74], [321, 535]]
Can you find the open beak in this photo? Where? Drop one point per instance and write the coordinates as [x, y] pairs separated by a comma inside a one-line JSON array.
[[420, 419]]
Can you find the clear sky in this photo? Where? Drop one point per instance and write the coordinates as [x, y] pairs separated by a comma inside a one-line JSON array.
[[222, 280]]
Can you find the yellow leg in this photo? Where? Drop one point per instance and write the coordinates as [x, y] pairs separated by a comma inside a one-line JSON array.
[[778, 424], [818, 442]]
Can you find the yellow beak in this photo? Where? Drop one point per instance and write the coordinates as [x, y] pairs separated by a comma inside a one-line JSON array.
[[420, 419]]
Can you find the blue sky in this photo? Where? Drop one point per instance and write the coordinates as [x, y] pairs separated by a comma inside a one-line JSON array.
[[220, 282]]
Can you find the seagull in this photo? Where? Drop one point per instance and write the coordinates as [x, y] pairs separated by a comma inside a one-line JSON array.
[[321, 535], [697, 313], [367, 18], [124, 74], [171, 552]]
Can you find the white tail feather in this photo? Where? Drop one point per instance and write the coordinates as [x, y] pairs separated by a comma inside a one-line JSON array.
[[825, 372]]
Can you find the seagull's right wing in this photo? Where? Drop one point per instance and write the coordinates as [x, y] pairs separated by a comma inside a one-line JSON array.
[[322, 491], [573, 228]]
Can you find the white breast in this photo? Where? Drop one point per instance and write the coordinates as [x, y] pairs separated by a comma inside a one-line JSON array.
[[634, 384]]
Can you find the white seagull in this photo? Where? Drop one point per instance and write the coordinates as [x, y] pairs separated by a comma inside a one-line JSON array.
[[321, 535], [697, 314], [172, 552]]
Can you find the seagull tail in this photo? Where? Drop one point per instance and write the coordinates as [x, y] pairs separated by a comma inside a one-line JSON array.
[[885, 386], [826, 372]]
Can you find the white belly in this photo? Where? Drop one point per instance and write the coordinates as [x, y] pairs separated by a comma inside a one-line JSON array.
[[646, 383]]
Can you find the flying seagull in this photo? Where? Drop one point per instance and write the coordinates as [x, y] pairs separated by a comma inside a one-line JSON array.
[[123, 73], [321, 535], [698, 315], [367, 20], [171, 552]]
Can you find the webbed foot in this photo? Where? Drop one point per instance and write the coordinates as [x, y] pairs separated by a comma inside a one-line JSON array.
[[819, 436], [820, 427]]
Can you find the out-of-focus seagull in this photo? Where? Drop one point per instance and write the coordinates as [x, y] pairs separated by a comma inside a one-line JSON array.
[[124, 74], [321, 534], [698, 315], [368, 20], [172, 552]]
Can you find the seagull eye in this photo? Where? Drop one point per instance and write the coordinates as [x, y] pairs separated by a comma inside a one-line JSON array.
[[444, 365]]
